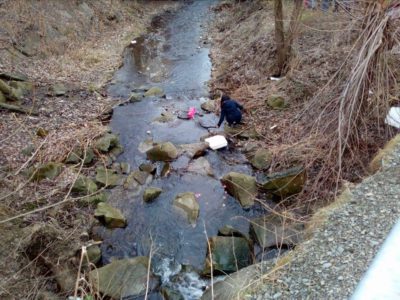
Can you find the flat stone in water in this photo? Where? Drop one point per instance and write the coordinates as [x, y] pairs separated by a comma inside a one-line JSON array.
[[187, 202]]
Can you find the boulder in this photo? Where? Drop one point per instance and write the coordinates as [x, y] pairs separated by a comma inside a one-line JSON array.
[[162, 152], [151, 193], [2, 97], [93, 254], [169, 294], [13, 76], [135, 97], [58, 89], [155, 92], [241, 132], [84, 185], [274, 231], [165, 117], [250, 148], [110, 216], [187, 203], [228, 230], [48, 170], [9, 92], [94, 199], [208, 106], [141, 177], [276, 102], [241, 186], [194, 150], [229, 254], [149, 168], [131, 183], [201, 166], [165, 169], [125, 278], [108, 177], [262, 159], [125, 168], [24, 87], [107, 142], [77, 155], [285, 183], [146, 146]]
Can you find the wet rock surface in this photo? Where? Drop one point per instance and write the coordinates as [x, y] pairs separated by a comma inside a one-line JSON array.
[[188, 203], [241, 186], [123, 279], [111, 216], [228, 254]]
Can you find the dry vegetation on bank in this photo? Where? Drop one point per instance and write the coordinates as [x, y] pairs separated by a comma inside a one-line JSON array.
[[78, 44], [342, 78]]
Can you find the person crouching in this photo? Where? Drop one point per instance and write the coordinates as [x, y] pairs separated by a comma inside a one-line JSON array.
[[231, 110]]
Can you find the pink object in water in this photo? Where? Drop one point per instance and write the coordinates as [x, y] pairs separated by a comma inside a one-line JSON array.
[[191, 113]]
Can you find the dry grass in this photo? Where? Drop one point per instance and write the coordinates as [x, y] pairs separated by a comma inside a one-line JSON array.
[[333, 126]]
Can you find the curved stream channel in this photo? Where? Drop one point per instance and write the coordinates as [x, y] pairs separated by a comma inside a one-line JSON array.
[[172, 56]]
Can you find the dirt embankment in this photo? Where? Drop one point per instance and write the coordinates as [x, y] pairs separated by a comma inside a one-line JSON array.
[[243, 54], [67, 50]]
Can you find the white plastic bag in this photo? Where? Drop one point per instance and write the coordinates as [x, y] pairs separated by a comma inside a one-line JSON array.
[[216, 142], [393, 117]]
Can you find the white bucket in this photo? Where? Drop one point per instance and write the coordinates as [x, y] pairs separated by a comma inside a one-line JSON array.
[[216, 142]]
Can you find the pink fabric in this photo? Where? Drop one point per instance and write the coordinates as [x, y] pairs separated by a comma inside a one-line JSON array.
[[191, 113]]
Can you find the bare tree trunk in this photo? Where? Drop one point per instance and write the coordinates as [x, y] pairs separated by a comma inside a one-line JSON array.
[[293, 27], [279, 36]]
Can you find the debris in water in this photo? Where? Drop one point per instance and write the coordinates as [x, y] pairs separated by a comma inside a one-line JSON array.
[[191, 113], [148, 132], [133, 42], [216, 142]]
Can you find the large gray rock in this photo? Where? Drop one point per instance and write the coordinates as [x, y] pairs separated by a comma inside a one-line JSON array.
[[151, 193], [285, 183], [135, 97], [194, 150], [84, 185], [201, 166], [2, 97], [262, 159], [110, 216], [162, 152], [58, 89], [9, 92], [123, 279], [165, 117], [274, 231], [142, 177], [77, 155], [208, 106], [236, 285], [188, 204], [229, 254], [241, 186], [108, 177], [48, 170], [149, 168], [276, 102], [13, 76], [94, 199], [107, 142], [155, 91]]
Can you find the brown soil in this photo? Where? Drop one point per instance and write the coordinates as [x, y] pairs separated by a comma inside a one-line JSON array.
[[78, 44]]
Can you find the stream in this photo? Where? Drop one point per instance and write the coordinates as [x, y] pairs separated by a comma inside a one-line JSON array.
[[175, 57]]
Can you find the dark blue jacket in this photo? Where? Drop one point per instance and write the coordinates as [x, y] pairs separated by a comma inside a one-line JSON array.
[[231, 110]]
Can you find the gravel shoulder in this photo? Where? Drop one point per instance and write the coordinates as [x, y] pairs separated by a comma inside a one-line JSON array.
[[346, 236]]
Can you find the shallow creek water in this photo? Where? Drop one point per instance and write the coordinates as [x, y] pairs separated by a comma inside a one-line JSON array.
[[172, 56]]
